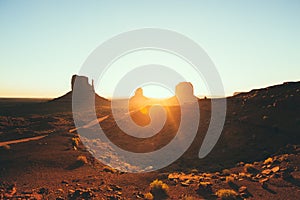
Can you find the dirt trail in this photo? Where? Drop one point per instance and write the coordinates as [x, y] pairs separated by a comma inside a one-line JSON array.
[[21, 140], [91, 124]]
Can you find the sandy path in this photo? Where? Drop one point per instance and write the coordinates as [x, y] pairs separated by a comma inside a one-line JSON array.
[[21, 140]]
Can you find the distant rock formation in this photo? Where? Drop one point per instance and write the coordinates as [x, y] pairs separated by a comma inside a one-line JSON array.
[[82, 83], [83, 93], [185, 91], [138, 100]]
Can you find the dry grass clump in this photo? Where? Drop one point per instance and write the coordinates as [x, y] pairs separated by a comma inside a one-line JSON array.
[[81, 160], [227, 194], [159, 190], [148, 196]]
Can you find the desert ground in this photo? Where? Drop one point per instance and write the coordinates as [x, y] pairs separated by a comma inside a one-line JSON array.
[[256, 157]]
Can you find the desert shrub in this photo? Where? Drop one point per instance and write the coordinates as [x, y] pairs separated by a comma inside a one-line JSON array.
[[249, 168], [226, 172], [204, 188], [148, 196], [82, 160], [229, 179], [194, 171], [75, 141], [159, 190], [226, 194]]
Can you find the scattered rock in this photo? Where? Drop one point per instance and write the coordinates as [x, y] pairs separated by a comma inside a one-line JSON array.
[[115, 188], [60, 190], [266, 172], [275, 169], [243, 189], [80, 194], [109, 169], [185, 183], [268, 161], [11, 191]]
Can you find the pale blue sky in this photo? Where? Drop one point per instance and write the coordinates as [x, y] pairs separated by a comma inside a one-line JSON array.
[[42, 43]]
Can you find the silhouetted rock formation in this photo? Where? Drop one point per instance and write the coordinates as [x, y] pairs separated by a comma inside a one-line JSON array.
[[185, 91], [82, 83], [138, 100], [83, 91]]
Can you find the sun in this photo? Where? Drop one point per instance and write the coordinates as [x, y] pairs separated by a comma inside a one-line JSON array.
[[144, 110]]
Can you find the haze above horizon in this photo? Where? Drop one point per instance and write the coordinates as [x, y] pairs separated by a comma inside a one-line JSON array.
[[43, 43]]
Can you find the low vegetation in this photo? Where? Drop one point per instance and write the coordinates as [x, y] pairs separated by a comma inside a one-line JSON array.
[[229, 179], [81, 160], [148, 196], [227, 194], [249, 168], [75, 142], [159, 190], [205, 189]]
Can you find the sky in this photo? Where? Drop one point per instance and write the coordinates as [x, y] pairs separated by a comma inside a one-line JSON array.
[[253, 44]]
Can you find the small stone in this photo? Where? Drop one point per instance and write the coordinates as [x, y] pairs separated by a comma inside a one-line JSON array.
[[70, 191], [60, 190], [263, 180], [109, 169], [268, 161], [275, 169], [109, 189], [173, 176], [115, 188], [243, 189], [185, 183], [266, 172], [258, 176], [244, 195]]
